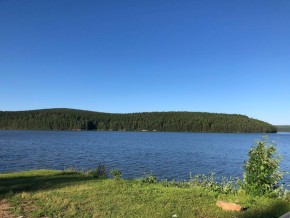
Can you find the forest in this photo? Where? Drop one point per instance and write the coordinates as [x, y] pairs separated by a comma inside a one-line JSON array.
[[72, 119], [283, 128]]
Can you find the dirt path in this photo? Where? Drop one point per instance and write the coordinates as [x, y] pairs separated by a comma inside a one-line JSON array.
[[4, 209]]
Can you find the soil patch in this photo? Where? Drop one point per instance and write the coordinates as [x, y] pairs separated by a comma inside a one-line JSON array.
[[5, 209]]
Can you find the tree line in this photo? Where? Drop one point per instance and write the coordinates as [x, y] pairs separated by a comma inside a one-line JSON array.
[[283, 128], [71, 119]]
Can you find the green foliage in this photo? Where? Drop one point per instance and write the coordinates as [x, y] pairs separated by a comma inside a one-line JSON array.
[[101, 172], [116, 173], [69, 119], [206, 182], [262, 173], [211, 183], [173, 183], [150, 179]]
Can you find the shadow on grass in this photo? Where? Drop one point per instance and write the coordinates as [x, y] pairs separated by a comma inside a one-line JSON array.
[[24, 183], [274, 210]]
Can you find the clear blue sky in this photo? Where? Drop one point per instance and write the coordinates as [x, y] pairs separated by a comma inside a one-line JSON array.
[[225, 56]]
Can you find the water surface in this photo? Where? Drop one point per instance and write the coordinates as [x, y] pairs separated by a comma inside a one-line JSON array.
[[165, 155]]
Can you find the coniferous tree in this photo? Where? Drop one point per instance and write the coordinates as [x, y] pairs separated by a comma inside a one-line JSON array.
[[69, 119]]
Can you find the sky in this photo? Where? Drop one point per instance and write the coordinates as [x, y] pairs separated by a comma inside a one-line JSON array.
[[226, 56]]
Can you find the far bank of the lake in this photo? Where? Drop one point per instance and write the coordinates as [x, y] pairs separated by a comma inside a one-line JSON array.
[[71, 119], [283, 128]]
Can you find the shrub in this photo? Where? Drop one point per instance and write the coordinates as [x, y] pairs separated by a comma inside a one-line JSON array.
[[150, 179], [262, 175], [116, 173], [101, 172]]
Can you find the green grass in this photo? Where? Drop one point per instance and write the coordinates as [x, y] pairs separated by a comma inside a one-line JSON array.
[[49, 193]]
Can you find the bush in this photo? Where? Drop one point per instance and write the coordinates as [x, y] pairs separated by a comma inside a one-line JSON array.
[[150, 179], [116, 173], [262, 175], [101, 172]]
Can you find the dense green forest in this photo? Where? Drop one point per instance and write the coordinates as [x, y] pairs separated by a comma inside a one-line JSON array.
[[71, 119], [283, 128]]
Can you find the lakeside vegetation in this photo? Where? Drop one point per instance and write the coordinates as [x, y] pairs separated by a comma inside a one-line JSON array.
[[71, 119], [69, 193], [50, 193]]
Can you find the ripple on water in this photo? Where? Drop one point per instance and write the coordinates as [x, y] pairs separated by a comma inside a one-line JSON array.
[[166, 155]]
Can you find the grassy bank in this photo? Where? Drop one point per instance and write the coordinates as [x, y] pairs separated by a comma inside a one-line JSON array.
[[49, 193]]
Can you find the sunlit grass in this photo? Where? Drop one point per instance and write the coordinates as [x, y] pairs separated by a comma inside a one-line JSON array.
[[46, 193]]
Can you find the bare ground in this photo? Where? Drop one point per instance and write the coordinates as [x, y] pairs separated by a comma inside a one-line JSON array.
[[4, 209]]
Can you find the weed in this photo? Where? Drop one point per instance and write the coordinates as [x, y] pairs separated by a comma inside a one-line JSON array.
[[101, 172], [210, 183], [150, 179], [116, 173]]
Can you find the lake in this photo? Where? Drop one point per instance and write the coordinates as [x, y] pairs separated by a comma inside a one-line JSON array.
[[163, 154]]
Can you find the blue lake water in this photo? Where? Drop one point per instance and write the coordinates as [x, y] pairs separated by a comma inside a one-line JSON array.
[[163, 154]]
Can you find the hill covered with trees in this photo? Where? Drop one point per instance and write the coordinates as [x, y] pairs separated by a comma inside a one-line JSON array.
[[71, 119], [283, 128]]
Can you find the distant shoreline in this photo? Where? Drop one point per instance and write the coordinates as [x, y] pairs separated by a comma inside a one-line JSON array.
[[283, 128], [72, 119]]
